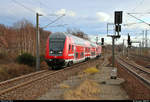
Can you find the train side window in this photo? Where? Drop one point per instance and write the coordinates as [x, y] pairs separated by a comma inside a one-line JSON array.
[[69, 47], [86, 49], [72, 47], [82, 54], [76, 55]]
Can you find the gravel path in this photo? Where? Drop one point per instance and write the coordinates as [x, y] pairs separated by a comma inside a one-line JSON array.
[[110, 89]]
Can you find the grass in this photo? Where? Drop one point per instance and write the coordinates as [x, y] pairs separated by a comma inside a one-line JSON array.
[[91, 70], [87, 90], [64, 86]]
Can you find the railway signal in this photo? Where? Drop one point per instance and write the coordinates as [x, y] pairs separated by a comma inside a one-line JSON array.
[[118, 28], [129, 40], [118, 17], [118, 21], [102, 41]]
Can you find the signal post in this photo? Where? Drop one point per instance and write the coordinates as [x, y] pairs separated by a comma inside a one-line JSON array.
[[117, 22]]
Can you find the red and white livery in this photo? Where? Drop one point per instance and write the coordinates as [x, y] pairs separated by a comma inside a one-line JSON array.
[[65, 49]]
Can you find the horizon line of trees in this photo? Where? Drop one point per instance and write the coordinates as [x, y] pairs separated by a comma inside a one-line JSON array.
[[21, 38]]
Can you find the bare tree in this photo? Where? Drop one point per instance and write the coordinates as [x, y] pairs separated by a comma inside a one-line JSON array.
[[21, 37]]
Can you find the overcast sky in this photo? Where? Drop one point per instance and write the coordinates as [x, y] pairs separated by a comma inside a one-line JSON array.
[[90, 16]]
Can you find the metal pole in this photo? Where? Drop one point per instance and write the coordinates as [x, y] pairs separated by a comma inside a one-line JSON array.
[[113, 54], [143, 43], [123, 48], [127, 50], [146, 39], [97, 39], [140, 48], [37, 43]]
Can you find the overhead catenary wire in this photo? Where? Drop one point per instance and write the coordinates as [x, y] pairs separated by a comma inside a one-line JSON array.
[[23, 6], [61, 25], [34, 11], [28, 8], [138, 19], [140, 13], [140, 3], [54, 21]]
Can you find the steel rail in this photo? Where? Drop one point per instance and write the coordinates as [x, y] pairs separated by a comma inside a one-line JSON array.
[[21, 77], [146, 81], [38, 78], [137, 66]]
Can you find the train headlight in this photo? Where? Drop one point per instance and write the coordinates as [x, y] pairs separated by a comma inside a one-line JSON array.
[[51, 52]]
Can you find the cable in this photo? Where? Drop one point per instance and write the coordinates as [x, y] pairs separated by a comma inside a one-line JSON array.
[[140, 13], [29, 8], [138, 5], [53, 21], [47, 7], [138, 19], [23, 6], [59, 25]]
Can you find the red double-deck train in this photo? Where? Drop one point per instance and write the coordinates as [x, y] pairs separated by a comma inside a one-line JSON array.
[[64, 49]]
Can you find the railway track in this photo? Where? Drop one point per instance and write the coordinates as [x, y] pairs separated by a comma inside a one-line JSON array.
[[15, 81], [145, 58], [138, 71], [145, 61], [12, 89]]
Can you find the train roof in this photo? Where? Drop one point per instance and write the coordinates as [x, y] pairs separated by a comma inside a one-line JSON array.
[[77, 40], [58, 35]]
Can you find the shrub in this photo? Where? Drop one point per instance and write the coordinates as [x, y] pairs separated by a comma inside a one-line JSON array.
[[26, 59], [2, 55], [13, 70], [42, 58]]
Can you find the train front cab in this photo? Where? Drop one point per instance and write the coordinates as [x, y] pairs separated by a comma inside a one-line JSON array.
[[56, 50]]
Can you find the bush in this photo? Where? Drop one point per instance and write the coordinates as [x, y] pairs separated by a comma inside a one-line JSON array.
[[2, 55], [42, 58], [26, 59], [14, 70]]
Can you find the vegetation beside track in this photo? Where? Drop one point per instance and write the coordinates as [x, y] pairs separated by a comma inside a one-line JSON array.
[[11, 68]]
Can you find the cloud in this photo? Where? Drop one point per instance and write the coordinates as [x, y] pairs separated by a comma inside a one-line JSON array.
[[102, 17], [66, 12]]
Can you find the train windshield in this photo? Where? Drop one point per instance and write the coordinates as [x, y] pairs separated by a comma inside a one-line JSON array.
[[56, 44]]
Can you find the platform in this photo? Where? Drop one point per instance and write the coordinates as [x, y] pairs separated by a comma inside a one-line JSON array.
[[110, 89]]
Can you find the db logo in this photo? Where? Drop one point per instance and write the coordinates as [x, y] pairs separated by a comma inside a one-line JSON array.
[[54, 56]]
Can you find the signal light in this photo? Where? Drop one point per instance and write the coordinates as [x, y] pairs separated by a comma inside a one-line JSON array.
[[118, 17], [102, 41], [118, 28], [129, 41]]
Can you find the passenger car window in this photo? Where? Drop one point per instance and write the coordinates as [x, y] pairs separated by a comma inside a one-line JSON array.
[[72, 47], [76, 55], [69, 47]]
